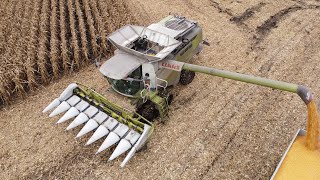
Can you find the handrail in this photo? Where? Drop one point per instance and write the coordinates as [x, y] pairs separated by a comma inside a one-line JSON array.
[[166, 83]]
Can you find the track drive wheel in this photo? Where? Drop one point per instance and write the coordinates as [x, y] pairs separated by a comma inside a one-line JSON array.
[[186, 77], [165, 93], [148, 110]]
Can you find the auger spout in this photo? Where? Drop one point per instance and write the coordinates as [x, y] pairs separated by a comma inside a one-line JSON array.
[[304, 92]]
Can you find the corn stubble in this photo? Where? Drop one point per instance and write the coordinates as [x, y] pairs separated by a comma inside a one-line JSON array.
[[43, 40]]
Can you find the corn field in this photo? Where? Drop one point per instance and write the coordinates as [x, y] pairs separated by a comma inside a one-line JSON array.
[[41, 40]]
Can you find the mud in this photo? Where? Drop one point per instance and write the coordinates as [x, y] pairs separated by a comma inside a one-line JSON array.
[[272, 22], [263, 30], [247, 14], [220, 8]]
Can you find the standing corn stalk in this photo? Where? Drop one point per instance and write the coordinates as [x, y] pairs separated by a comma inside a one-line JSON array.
[[20, 77], [82, 28], [74, 40], [7, 29], [3, 95], [11, 64], [43, 42], [92, 30], [106, 18], [131, 17], [32, 45], [107, 22], [121, 7], [114, 10], [63, 36], [26, 30], [30, 35], [54, 41], [2, 26], [99, 26]]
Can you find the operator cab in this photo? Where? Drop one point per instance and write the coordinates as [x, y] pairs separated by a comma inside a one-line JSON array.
[[145, 46], [137, 48], [130, 85], [124, 73]]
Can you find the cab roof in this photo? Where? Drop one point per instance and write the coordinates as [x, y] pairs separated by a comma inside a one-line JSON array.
[[121, 65]]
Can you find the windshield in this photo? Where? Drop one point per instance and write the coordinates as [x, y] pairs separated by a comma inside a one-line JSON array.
[[129, 86]]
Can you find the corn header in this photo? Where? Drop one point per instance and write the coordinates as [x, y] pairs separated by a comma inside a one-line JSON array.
[[147, 61]]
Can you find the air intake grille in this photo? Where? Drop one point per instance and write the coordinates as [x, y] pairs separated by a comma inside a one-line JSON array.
[[176, 24]]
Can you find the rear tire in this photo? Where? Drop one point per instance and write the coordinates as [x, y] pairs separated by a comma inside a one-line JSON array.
[[186, 77]]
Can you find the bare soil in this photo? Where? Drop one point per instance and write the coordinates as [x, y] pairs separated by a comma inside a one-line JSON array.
[[218, 129]]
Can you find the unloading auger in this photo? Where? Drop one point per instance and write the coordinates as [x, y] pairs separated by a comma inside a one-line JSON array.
[[304, 92], [146, 62]]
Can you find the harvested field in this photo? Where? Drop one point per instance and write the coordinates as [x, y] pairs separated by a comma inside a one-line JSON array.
[[218, 129]]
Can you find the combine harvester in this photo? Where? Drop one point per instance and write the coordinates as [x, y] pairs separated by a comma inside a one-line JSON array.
[[146, 62]]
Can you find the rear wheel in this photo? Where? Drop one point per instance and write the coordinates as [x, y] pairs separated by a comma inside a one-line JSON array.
[[186, 77]]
